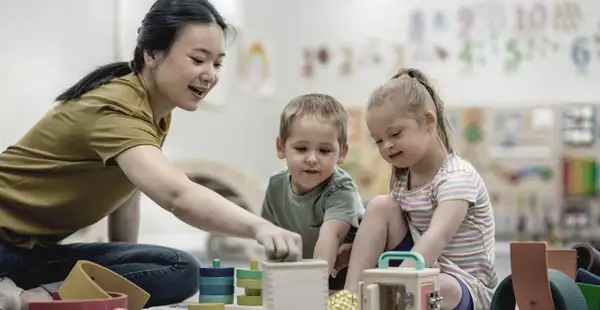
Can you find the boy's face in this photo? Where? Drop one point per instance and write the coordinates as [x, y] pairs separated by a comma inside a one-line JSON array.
[[311, 152]]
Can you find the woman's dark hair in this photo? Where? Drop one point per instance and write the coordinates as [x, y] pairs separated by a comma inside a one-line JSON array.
[[159, 30]]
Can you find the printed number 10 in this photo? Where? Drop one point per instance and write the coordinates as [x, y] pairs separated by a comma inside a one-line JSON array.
[[534, 19]]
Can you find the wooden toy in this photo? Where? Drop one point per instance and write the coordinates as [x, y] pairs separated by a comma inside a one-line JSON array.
[[295, 285], [400, 288], [90, 286], [216, 284], [540, 279], [251, 281]]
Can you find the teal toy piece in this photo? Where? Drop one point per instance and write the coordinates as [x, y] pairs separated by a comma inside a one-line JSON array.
[[385, 257]]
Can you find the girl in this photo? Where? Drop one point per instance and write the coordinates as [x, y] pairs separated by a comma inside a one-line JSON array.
[[438, 204], [93, 153]]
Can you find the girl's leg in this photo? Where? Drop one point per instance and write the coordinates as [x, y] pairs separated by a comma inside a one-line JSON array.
[[382, 227], [168, 275], [455, 292]]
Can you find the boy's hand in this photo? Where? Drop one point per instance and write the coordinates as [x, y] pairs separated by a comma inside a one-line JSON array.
[[343, 258]]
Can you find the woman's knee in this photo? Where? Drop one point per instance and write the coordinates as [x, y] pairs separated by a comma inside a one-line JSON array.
[[187, 269]]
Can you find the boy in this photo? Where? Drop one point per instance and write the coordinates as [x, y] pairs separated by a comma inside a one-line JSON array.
[[313, 196]]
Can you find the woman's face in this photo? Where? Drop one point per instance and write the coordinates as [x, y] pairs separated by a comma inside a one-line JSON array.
[[191, 68]]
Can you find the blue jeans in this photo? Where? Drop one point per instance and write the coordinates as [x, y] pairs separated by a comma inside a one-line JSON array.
[[168, 275]]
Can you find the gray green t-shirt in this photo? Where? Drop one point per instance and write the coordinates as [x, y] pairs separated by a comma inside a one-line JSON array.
[[336, 198]]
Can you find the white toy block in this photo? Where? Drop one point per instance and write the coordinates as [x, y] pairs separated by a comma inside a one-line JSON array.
[[400, 288], [295, 285]]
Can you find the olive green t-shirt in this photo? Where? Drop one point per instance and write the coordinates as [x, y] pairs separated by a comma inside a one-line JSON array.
[[61, 176], [335, 198]]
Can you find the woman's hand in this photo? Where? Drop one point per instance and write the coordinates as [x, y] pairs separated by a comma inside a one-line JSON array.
[[280, 244]]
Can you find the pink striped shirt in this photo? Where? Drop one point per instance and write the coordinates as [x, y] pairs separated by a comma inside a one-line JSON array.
[[469, 256]]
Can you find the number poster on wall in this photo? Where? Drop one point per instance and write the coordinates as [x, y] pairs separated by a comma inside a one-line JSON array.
[[505, 37]]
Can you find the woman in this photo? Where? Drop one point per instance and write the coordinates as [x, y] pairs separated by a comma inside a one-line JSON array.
[[93, 153]]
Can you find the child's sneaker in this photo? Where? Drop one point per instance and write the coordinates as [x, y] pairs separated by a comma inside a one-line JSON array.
[[9, 295], [13, 297], [38, 294], [343, 300]]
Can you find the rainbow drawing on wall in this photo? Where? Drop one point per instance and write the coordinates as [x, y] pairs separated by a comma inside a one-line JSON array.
[[580, 176], [256, 65]]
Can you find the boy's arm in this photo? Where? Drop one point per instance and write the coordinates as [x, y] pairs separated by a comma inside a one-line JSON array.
[[454, 194], [340, 214]]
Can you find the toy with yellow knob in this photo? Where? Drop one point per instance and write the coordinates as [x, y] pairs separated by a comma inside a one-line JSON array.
[[251, 281]]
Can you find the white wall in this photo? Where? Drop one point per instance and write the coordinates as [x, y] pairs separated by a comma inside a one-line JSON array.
[[43, 53]]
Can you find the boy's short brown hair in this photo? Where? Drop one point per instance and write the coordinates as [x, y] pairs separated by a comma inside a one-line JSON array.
[[320, 106]]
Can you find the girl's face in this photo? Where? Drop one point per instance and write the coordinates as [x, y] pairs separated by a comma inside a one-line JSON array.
[[402, 140], [190, 70]]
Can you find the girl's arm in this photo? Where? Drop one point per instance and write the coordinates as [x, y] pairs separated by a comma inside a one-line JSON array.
[[454, 193], [446, 221]]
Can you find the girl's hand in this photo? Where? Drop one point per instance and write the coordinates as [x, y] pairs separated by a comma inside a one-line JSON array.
[[343, 258]]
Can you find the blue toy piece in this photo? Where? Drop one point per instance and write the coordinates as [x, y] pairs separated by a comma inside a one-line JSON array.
[[217, 271], [216, 284]]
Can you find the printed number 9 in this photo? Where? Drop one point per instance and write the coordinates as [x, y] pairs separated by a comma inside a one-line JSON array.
[[580, 54]]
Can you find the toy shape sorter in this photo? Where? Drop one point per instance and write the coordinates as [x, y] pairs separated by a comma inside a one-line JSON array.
[[400, 288], [295, 285]]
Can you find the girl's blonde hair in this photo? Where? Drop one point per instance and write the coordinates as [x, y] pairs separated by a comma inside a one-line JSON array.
[[416, 94]]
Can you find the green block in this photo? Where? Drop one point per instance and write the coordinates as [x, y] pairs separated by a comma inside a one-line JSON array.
[[249, 274], [249, 300]]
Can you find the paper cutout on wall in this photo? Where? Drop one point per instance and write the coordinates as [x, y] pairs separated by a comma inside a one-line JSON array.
[[323, 55], [508, 125], [347, 66], [473, 119], [416, 26], [542, 119], [440, 21], [579, 176], [256, 69], [308, 64], [580, 54], [567, 16], [579, 125]]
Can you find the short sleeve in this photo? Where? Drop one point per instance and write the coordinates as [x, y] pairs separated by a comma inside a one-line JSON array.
[[267, 209], [115, 132], [457, 185], [343, 205]]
